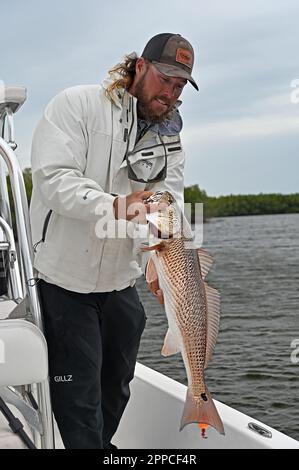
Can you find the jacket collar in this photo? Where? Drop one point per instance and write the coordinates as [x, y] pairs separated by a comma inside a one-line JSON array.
[[118, 96], [171, 126]]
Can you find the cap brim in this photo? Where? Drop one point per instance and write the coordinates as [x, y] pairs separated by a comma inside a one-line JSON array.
[[173, 71]]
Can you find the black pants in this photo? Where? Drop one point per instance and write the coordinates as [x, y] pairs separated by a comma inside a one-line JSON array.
[[93, 341]]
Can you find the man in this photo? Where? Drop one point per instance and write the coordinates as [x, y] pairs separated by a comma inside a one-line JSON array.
[[95, 150]]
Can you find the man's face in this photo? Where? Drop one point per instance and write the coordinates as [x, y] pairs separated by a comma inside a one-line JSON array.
[[156, 93]]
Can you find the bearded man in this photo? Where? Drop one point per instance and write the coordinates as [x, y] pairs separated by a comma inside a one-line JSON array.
[[102, 149]]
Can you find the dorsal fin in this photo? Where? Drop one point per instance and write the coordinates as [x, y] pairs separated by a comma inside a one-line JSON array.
[[213, 316], [205, 261]]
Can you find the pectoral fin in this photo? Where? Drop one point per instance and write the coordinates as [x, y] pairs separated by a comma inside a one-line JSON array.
[[145, 247], [170, 346], [161, 246]]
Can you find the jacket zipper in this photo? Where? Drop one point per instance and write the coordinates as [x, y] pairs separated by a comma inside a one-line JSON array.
[[44, 231], [169, 149], [127, 133], [132, 123]]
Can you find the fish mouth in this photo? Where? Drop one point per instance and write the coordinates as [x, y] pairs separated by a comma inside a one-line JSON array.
[[160, 196], [164, 224]]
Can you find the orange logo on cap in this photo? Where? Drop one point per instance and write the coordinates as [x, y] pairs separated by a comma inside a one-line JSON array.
[[184, 57]]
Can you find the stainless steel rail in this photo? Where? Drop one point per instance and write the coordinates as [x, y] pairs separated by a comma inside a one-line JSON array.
[[21, 270]]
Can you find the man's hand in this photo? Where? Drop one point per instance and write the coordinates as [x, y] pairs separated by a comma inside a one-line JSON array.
[[152, 281], [132, 207]]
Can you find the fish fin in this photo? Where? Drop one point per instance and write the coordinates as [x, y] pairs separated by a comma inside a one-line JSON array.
[[170, 346], [205, 261], [213, 316], [151, 272], [158, 247], [203, 412]]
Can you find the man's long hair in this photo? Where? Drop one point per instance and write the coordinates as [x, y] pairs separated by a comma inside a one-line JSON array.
[[123, 73], [122, 76]]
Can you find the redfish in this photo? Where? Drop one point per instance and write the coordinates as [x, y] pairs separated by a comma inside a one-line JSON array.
[[192, 308]]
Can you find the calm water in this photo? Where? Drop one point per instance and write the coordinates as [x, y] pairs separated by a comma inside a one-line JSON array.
[[256, 270]]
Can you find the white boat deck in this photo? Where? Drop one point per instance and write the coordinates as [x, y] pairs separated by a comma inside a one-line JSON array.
[[153, 415], [152, 418]]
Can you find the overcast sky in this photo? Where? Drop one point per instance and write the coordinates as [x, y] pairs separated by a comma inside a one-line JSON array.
[[241, 132]]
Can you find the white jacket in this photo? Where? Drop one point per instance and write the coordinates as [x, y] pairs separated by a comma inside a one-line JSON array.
[[78, 166]]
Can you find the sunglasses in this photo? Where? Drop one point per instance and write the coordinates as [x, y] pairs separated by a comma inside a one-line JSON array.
[[161, 174]]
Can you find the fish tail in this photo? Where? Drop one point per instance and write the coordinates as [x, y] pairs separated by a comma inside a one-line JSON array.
[[205, 412]]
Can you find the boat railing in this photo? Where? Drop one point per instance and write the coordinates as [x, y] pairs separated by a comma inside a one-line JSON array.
[[21, 332]]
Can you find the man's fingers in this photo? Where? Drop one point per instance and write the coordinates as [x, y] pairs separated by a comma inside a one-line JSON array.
[[136, 212], [154, 286], [145, 194], [160, 297]]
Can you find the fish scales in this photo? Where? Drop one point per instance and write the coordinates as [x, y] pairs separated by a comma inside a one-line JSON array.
[[179, 275], [192, 307]]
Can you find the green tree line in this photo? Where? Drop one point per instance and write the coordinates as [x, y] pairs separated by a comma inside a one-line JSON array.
[[221, 206], [242, 204]]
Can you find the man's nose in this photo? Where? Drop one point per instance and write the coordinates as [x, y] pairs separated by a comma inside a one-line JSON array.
[[168, 92]]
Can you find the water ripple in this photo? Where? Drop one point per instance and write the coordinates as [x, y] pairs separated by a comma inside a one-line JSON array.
[[256, 270]]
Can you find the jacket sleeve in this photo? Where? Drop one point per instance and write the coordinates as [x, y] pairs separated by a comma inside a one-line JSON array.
[[59, 150]]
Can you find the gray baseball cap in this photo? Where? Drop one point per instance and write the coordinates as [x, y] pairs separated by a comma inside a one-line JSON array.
[[172, 55]]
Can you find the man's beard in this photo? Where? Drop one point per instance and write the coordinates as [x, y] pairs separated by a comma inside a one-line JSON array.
[[144, 110]]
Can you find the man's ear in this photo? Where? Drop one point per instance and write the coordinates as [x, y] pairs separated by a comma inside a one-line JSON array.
[[140, 66], [140, 69]]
